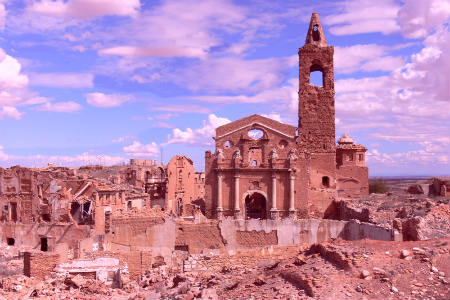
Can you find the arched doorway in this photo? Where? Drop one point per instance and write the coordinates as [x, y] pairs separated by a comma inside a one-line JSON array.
[[255, 206]]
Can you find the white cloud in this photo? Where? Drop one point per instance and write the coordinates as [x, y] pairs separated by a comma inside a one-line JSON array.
[[10, 112], [139, 52], [2, 15], [162, 125], [164, 116], [369, 57], [3, 155], [85, 8], [141, 150], [183, 108], [62, 80], [14, 91], [273, 116], [103, 100], [198, 137], [364, 16], [39, 160], [418, 18], [431, 154], [428, 72], [10, 73], [68, 106], [234, 74], [124, 138]]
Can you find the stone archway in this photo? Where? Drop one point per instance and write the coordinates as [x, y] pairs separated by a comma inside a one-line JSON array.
[[255, 205]]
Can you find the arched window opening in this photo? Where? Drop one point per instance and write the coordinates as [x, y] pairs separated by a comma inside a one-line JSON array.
[[228, 144], [326, 181], [316, 75], [316, 78], [255, 156], [282, 144], [255, 134], [316, 33]]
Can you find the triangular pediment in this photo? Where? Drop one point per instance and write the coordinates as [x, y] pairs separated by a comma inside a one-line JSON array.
[[255, 121]]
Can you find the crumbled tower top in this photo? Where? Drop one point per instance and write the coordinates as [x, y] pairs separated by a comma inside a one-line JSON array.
[[315, 35]]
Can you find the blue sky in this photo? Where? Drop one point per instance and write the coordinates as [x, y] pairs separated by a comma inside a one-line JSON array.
[[102, 81]]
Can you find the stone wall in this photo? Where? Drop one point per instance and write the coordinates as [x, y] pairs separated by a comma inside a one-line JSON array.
[[39, 264], [142, 234], [29, 236], [215, 263]]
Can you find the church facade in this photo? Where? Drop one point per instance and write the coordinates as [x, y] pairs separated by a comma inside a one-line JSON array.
[[262, 168]]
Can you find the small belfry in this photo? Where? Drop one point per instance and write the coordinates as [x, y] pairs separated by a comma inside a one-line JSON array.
[[315, 33]]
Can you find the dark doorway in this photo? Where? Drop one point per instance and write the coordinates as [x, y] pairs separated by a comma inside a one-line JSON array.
[[255, 206], [10, 241], [107, 221], [179, 207], [46, 217], [75, 211], [44, 244], [326, 181], [14, 212], [201, 203]]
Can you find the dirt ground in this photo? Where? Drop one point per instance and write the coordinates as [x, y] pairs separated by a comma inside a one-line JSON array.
[[338, 269]]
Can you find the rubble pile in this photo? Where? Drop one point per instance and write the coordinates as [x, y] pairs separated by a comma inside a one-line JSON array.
[[417, 216]]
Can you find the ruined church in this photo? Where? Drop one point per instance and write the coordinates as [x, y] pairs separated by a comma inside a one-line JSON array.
[[264, 169]]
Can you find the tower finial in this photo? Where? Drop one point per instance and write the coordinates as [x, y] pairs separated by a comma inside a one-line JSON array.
[[315, 33]]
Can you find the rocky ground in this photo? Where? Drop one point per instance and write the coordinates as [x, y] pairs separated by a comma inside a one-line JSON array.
[[418, 216], [338, 269]]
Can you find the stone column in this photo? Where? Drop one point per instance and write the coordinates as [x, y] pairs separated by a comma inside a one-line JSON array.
[[237, 210], [96, 199], [122, 197], [116, 198], [99, 215], [292, 210], [274, 210], [219, 196]]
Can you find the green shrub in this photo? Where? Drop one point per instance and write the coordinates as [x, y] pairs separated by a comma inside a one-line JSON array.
[[378, 186]]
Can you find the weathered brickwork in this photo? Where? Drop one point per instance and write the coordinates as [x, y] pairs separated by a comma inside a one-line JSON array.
[[184, 185], [262, 168], [250, 239], [215, 263], [39, 264]]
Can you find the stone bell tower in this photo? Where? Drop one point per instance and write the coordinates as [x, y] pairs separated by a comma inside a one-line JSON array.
[[316, 125]]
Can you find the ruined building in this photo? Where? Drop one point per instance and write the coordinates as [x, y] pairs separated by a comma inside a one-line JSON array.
[[265, 169], [184, 185]]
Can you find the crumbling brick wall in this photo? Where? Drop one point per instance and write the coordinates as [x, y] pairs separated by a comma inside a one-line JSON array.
[[250, 239], [138, 262], [39, 264], [196, 237], [214, 263]]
